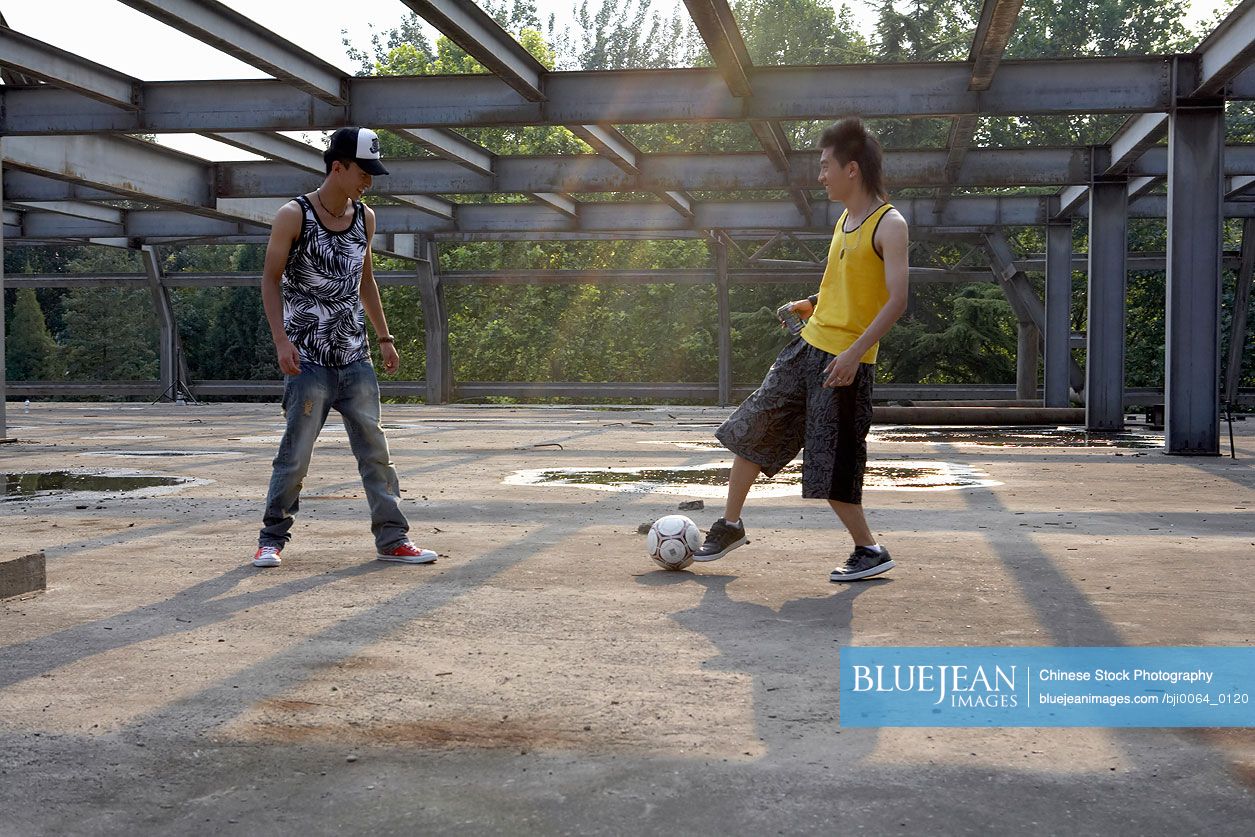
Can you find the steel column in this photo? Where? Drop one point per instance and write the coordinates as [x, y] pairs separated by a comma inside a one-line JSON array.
[[169, 348], [1058, 313], [720, 249], [439, 372], [1241, 306], [3, 427], [1192, 365], [1104, 348], [1026, 360]]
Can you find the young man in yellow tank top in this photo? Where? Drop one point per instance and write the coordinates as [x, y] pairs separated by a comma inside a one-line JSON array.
[[817, 396]]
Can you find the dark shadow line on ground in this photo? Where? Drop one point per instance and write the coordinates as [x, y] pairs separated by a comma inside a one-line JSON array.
[[187, 610]]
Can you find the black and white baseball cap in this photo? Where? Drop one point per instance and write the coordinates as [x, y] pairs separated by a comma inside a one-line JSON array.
[[358, 144]]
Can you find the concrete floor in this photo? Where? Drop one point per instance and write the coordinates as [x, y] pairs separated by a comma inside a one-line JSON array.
[[543, 677]]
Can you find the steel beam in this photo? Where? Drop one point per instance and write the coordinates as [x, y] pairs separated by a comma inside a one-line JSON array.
[[1053, 86], [169, 348], [675, 276], [3, 427], [1227, 51], [1027, 360], [74, 209], [275, 147], [563, 203], [610, 143], [1133, 139], [468, 26], [20, 186], [439, 374], [717, 26], [1058, 331], [993, 31], [1104, 353], [227, 30], [31, 57], [1139, 186], [121, 165], [1030, 325], [1239, 186], [1192, 363], [719, 250], [450, 146], [660, 172], [1241, 310], [431, 205], [239, 219]]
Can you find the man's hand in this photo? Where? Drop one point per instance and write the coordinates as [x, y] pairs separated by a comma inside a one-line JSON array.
[[803, 308], [841, 370], [289, 358], [391, 358]]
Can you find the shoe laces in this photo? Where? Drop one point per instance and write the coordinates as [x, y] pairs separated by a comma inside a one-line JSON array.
[[268, 550], [857, 555]]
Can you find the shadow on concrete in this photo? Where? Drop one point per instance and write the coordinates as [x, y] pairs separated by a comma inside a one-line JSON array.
[[187, 610], [793, 656]]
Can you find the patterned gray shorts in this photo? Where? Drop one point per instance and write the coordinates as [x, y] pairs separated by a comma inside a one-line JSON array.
[[792, 410]]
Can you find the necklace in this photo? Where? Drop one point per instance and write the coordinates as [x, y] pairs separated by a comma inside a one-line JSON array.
[[859, 239], [318, 197]]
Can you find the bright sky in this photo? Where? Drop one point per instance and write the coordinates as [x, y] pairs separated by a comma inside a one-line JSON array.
[[117, 36]]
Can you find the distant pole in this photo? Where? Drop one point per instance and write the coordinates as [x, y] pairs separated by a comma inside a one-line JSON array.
[[1241, 306], [3, 427], [439, 372], [1192, 362], [1104, 333], [725, 321], [1058, 312]]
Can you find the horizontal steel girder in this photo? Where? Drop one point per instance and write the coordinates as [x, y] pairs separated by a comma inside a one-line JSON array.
[[1083, 85], [707, 172], [240, 37], [597, 220]]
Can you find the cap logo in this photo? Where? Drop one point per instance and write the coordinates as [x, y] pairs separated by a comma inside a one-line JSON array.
[[374, 145]]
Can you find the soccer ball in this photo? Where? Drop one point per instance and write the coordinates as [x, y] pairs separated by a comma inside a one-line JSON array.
[[672, 540]]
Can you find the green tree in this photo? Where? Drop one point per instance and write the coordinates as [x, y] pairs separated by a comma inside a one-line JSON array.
[[30, 352], [110, 334]]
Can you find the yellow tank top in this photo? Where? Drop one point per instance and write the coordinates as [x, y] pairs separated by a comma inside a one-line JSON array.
[[852, 291]]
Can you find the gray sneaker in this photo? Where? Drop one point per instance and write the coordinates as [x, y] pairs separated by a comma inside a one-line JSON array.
[[722, 538], [863, 563]]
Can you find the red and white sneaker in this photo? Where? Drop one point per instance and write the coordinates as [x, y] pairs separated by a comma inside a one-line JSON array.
[[266, 556], [407, 553]]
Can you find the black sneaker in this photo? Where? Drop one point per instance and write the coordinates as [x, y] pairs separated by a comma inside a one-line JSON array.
[[722, 538], [863, 563]]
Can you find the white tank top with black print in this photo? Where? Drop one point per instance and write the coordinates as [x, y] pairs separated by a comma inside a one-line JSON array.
[[322, 304]]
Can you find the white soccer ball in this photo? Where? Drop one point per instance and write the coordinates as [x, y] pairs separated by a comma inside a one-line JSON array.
[[672, 540]]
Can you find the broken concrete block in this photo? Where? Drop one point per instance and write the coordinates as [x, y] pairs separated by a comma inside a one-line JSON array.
[[22, 575]]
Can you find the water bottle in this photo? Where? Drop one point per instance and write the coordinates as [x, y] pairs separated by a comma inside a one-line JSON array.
[[790, 318]]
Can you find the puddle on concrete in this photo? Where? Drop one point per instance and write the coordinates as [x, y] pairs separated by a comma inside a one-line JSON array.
[[1058, 437], [43, 484], [687, 444], [1017, 437], [712, 480], [161, 453]]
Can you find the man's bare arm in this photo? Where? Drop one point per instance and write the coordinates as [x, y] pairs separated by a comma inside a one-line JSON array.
[[283, 233]]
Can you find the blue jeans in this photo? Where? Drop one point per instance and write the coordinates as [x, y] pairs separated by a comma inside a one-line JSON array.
[[353, 391]]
